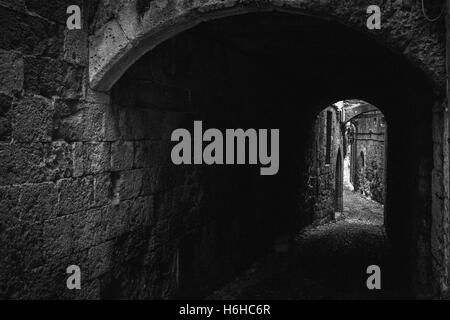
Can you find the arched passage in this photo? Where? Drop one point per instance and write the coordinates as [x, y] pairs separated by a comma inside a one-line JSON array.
[[254, 71], [126, 30]]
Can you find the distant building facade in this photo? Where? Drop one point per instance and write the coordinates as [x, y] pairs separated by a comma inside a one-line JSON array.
[[325, 157], [346, 141], [367, 144]]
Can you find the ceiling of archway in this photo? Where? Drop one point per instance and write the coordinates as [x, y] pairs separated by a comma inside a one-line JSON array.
[[126, 29]]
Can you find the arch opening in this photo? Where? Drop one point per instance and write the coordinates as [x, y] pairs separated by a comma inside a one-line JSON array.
[[264, 70]]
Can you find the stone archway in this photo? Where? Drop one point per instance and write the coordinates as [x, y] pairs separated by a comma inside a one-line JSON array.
[[135, 28], [126, 30]]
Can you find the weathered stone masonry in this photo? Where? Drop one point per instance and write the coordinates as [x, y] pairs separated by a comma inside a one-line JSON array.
[[368, 154], [200, 235], [321, 189], [84, 174], [50, 193]]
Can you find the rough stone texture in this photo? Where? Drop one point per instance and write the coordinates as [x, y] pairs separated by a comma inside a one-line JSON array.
[[109, 43], [29, 34], [86, 180], [134, 25], [53, 11], [75, 47], [369, 147], [49, 77], [35, 162], [52, 179], [321, 187], [85, 123], [122, 155], [37, 202], [11, 72], [75, 195], [5, 117], [32, 120]]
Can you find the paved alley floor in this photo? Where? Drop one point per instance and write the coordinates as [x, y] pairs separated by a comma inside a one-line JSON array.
[[360, 210], [325, 262]]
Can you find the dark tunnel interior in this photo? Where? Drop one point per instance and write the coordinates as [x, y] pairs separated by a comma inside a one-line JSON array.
[[266, 70]]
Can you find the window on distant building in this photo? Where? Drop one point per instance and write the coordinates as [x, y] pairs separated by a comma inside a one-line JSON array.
[[362, 159]]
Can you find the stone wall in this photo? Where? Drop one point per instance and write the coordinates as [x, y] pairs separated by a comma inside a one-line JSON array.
[[86, 178], [369, 154], [125, 27], [322, 189], [52, 190], [85, 181], [194, 238]]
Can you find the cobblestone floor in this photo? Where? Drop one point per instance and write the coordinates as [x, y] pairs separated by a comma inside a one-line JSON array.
[[325, 262], [360, 210]]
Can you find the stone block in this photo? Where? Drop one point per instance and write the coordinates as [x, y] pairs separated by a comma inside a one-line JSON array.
[[130, 184], [37, 202], [105, 12], [74, 195], [58, 160], [78, 159], [35, 162], [122, 154], [88, 229], [30, 34], [97, 157], [76, 47], [6, 164], [66, 107], [112, 129], [9, 199], [87, 124], [50, 77], [20, 249], [107, 44], [100, 259], [11, 72], [58, 235], [52, 10], [32, 120], [115, 219], [102, 189]]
